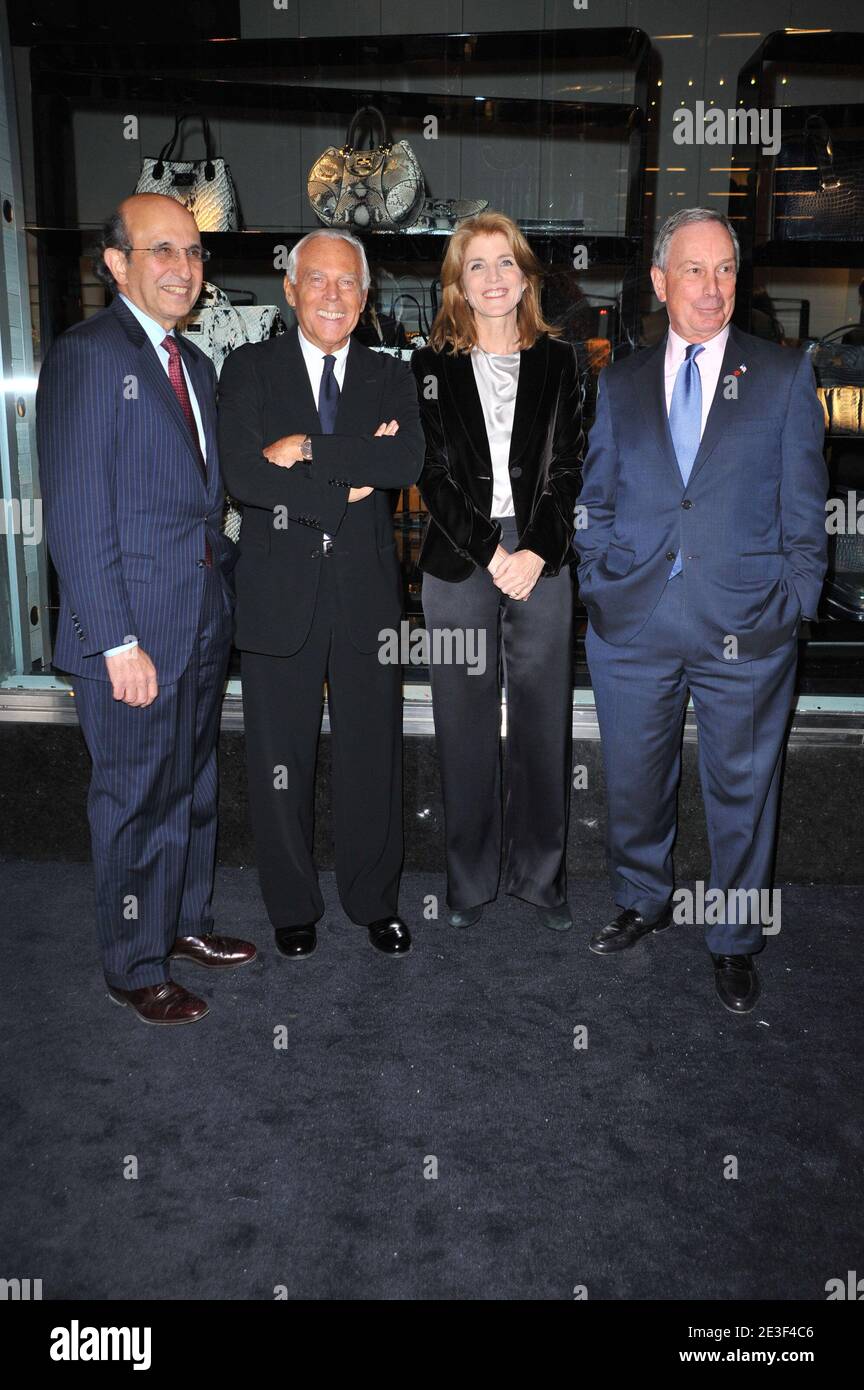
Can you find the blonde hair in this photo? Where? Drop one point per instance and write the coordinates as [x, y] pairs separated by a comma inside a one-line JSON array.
[[455, 327]]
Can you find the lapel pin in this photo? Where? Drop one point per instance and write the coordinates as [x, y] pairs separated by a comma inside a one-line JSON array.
[[739, 370]]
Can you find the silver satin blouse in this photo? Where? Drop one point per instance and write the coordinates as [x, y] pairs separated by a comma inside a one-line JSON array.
[[497, 378]]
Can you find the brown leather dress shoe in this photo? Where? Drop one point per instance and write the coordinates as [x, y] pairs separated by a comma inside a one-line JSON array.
[[165, 1003], [217, 952]]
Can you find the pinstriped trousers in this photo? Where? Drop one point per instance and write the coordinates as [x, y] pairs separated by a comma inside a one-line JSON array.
[[152, 804]]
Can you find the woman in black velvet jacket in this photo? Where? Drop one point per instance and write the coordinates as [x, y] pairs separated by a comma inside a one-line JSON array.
[[501, 408]]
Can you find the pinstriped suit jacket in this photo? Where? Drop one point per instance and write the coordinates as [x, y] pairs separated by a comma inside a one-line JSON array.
[[125, 505]]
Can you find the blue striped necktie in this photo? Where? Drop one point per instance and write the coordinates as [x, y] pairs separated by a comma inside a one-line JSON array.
[[685, 421]]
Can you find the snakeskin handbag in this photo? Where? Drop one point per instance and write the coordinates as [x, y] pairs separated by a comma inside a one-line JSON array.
[[204, 186], [376, 189]]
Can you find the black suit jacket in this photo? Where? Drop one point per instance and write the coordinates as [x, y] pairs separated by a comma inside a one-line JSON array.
[[545, 459], [264, 393]]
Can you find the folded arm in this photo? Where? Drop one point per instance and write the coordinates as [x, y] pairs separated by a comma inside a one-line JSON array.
[[307, 493], [373, 460]]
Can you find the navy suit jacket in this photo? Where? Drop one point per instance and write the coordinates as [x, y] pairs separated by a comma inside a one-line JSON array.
[[750, 524], [125, 504]]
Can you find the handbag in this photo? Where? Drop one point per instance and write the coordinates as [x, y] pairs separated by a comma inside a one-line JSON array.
[[204, 186], [818, 187], [217, 327], [838, 364], [843, 408], [376, 189], [444, 214]]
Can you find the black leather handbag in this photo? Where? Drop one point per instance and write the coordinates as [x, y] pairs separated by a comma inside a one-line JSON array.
[[838, 363], [818, 187]]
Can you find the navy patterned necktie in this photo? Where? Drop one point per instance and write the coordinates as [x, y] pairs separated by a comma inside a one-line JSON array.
[[328, 396]]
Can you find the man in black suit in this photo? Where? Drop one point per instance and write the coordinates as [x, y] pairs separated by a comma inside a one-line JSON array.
[[314, 428]]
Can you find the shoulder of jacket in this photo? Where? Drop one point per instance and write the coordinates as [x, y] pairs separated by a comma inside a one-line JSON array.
[[562, 347], [254, 355], [425, 359], [95, 339], [772, 355]]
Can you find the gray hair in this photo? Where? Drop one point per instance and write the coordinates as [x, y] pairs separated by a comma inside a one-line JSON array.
[[113, 236], [335, 234], [683, 218]]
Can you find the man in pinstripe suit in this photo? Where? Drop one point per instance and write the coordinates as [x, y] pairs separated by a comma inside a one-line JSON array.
[[133, 499]]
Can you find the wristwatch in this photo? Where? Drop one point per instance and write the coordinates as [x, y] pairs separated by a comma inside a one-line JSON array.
[[306, 449]]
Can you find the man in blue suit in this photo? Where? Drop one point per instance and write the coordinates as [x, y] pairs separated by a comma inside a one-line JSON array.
[[133, 501], [702, 544]]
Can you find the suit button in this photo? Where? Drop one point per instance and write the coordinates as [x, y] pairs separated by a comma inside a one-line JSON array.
[[670, 554], [200, 564], [313, 554], [516, 472], [686, 504]]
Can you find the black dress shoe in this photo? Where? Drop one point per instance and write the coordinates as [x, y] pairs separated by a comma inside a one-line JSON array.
[[737, 982], [296, 942], [217, 952], [390, 935], [465, 916], [556, 918], [628, 928]]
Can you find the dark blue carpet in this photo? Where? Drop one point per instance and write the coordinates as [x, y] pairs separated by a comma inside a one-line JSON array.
[[306, 1168]]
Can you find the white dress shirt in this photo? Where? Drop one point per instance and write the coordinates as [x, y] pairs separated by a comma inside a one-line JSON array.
[[314, 359], [156, 333], [708, 362]]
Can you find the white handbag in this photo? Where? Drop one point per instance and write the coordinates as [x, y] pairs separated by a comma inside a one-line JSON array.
[[204, 186], [217, 327]]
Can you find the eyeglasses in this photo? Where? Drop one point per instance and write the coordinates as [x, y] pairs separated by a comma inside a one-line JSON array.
[[166, 254]]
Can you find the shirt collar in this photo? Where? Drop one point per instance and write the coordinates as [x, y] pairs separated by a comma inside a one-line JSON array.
[[155, 332], [677, 346], [311, 353]]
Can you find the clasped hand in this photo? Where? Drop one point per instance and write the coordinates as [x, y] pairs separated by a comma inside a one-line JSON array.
[[285, 452], [515, 575]]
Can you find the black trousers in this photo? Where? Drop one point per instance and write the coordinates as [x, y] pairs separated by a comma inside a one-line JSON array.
[[528, 645], [282, 706]]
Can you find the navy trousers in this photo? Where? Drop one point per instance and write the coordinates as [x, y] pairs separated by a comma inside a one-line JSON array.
[[742, 711], [152, 804]]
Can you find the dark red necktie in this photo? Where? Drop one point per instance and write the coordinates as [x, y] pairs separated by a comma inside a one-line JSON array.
[[178, 381]]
